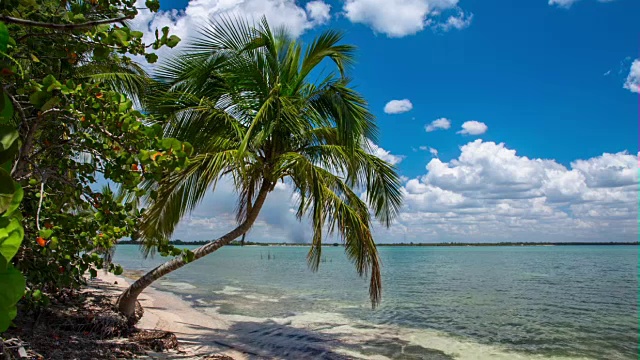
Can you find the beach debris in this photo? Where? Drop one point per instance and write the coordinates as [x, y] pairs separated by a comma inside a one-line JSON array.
[[75, 325], [15, 348], [156, 340]]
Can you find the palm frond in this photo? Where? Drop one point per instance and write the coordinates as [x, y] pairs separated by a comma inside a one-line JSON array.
[[241, 94]]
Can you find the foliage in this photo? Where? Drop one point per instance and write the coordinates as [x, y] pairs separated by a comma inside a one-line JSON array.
[[69, 86], [12, 282], [247, 98]]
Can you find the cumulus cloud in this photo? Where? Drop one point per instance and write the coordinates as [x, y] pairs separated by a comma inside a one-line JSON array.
[[397, 18], [398, 106], [633, 79], [442, 123], [215, 216], [490, 193], [319, 11], [384, 154], [185, 23], [473, 128]]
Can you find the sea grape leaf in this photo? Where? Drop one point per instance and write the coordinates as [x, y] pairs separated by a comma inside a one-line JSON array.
[[151, 57], [8, 155], [7, 190], [12, 284], [17, 199], [172, 41], [6, 108], [4, 37], [118, 270], [8, 135], [11, 235]]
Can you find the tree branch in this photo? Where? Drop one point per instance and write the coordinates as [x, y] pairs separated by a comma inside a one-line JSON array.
[[88, 24], [40, 205]]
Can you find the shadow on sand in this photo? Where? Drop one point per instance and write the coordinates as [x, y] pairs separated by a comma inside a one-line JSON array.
[[266, 340]]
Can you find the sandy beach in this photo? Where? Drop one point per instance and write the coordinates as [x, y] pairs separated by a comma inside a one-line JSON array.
[[202, 331], [198, 333]]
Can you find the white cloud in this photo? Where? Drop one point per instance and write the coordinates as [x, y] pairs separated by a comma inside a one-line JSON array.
[[398, 106], [186, 23], [489, 193], [215, 216], [384, 154], [458, 22], [633, 79], [608, 170], [318, 11], [431, 150], [567, 3], [397, 18], [562, 3], [442, 123], [473, 128]]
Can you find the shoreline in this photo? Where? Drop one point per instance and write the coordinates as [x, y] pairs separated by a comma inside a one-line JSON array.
[[453, 244], [167, 311], [202, 331]]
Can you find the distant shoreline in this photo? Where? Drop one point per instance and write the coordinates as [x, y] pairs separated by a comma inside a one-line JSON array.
[[179, 242]]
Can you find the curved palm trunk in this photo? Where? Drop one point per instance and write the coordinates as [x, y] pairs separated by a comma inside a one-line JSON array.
[[127, 300]]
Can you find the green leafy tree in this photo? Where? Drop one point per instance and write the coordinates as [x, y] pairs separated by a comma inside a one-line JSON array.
[[68, 122], [12, 282], [245, 96]]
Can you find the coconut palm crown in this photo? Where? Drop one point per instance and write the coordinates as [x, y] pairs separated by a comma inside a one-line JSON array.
[[244, 97]]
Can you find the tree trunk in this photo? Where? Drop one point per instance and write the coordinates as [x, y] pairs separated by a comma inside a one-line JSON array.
[[127, 300]]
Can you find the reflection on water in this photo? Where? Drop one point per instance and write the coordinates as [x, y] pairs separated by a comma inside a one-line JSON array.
[[509, 302]]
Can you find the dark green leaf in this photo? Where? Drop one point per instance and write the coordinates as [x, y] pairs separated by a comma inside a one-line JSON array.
[[11, 235], [15, 202], [7, 156], [7, 190], [151, 58], [100, 52], [153, 5], [118, 270], [188, 255], [38, 98], [4, 37], [6, 108], [172, 41], [12, 284], [8, 135]]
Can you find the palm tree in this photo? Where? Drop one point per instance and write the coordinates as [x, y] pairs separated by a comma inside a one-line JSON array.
[[242, 95]]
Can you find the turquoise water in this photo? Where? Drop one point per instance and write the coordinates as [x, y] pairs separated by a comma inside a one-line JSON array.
[[466, 302]]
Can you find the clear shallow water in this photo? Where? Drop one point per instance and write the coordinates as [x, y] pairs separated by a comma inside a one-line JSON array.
[[438, 302]]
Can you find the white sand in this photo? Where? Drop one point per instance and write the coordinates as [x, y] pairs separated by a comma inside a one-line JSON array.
[[195, 330]]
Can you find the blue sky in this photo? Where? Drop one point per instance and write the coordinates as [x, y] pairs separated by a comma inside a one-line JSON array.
[[554, 82]]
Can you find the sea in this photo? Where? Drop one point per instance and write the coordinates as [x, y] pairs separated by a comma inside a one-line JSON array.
[[473, 302]]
